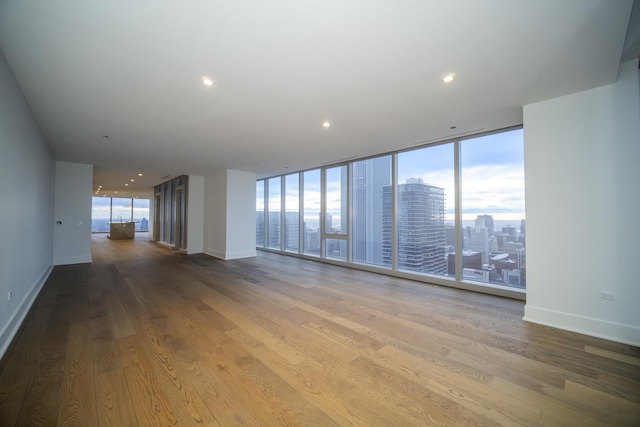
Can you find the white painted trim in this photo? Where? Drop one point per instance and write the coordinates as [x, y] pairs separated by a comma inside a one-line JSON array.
[[11, 328], [611, 331], [194, 250], [230, 255], [214, 253], [241, 254], [76, 259], [165, 244]]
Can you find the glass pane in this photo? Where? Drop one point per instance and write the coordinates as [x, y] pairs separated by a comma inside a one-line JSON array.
[[336, 200], [368, 180], [493, 220], [292, 214], [100, 214], [336, 249], [260, 213], [425, 210], [311, 209], [274, 207], [121, 209], [169, 211], [141, 214], [181, 220]]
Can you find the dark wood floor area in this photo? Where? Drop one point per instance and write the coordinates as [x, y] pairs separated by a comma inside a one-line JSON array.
[[147, 336]]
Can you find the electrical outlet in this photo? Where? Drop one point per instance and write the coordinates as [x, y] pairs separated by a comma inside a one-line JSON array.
[[609, 296], [9, 295]]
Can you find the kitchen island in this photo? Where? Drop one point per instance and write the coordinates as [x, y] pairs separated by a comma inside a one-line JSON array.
[[122, 230]]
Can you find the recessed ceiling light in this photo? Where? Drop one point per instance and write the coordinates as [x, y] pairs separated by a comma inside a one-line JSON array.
[[139, 174], [132, 180], [207, 81], [449, 78], [126, 185], [326, 124]]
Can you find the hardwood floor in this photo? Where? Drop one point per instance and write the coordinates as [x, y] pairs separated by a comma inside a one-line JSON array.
[[147, 336]]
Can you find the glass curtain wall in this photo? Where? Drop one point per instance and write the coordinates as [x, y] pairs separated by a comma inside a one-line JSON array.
[[425, 193], [371, 211], [452, 210], [493, 220], [311, 208], [141, 214], [100, 214], [106, 209], [121, 209], [275, 209], [292, 212], [336, 213]]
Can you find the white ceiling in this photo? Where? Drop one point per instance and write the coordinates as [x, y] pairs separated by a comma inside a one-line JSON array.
[[131, 70]]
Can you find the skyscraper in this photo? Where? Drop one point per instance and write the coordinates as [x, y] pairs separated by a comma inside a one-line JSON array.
[[420, 225], [485, 221], [369, 177]]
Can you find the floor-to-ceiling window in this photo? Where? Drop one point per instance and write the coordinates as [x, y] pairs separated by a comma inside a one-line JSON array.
[[141, 209], [493, 221], [100, 214], [292, 212], [370, 210], [425, 193], [274, 206], [311, 212], [450, 212], [336, 213], [119, 209]]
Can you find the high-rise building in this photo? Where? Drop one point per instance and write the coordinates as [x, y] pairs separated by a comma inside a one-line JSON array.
[[485, 221], [273, 240], [328, 223], [369, 177], [259, 228], [421, 232], [510, 231], [291, 231], [478, 241]]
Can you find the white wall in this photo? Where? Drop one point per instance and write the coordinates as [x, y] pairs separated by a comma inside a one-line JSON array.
[[195, 215], [215, 196], [26, 210], [582, 164], [241, 214], [230, 224]]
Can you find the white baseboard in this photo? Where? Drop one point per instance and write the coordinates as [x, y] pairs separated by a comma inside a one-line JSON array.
[[68, 260], [626, 334], [230, 255], [214, 253], [12, 326]]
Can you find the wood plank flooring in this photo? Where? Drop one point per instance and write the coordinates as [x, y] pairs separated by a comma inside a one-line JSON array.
[[147, 336]]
